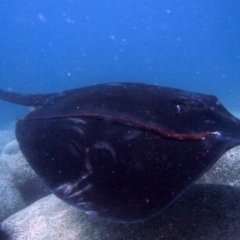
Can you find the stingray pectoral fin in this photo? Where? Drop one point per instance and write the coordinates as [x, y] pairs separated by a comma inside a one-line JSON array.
[[26, 99]]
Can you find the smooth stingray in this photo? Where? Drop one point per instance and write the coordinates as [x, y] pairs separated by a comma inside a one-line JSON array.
[[123, 151]]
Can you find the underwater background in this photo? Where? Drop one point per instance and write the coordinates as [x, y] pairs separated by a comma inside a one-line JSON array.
[[54, 45]]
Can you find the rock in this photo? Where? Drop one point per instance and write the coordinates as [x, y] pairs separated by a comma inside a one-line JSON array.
[[11, 200], [226, 170], [23, 177], [5, 137], [204, 212], [16, 163]]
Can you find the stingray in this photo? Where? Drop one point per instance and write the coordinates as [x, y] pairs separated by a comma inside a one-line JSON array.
[[123, 151]]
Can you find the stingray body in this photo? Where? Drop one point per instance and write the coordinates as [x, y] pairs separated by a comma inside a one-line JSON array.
[[123, 151]]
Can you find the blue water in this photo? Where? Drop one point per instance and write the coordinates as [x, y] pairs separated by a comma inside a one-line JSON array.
[[53, 45]]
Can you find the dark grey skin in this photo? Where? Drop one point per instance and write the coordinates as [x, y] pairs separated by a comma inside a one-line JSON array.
[[123, 151]]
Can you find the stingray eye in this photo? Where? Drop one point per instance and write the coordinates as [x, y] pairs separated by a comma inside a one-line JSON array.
[[188, 105], [180, 106]]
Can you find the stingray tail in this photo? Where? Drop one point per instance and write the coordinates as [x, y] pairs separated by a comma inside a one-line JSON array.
[[35, 100]]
